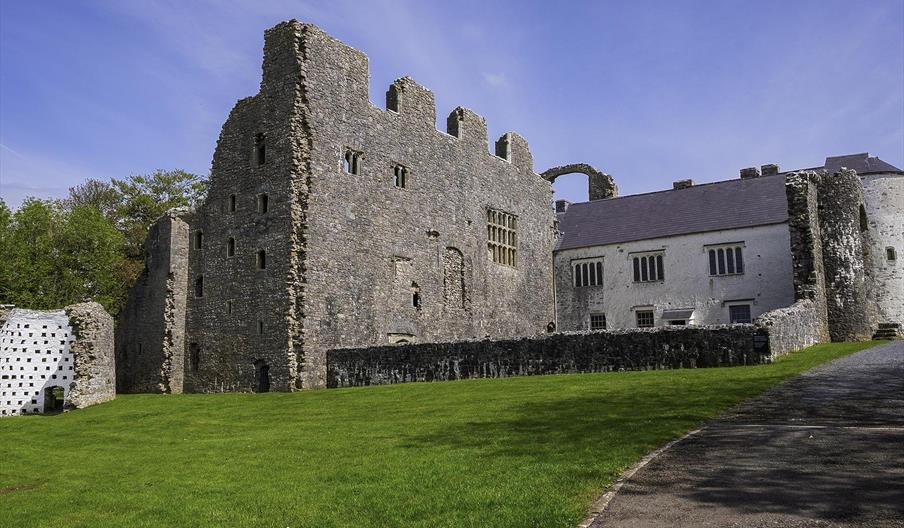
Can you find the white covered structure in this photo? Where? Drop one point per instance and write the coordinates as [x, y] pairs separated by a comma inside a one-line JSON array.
[[36, 362]]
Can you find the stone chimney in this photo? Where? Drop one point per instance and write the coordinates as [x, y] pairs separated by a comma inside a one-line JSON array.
[[770, 169], [562, 205], [750, 172], [682, 184]]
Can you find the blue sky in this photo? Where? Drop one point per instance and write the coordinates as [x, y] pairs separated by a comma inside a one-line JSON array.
[[648, 91]]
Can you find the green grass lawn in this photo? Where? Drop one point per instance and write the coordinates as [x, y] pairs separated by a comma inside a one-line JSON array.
[[517, 452]]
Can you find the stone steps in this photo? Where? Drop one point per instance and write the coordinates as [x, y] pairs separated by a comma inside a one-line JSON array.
[[889, 331]]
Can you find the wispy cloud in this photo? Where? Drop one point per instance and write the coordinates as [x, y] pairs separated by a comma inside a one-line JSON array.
[[495, 80]]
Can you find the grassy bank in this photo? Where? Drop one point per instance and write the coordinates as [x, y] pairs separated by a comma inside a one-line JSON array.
[[514, 452]]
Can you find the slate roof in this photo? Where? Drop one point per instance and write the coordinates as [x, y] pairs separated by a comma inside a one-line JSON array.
[[715, 206], [862, 163]]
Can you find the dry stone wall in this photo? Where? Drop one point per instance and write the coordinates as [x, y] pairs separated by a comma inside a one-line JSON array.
[[614, 350]]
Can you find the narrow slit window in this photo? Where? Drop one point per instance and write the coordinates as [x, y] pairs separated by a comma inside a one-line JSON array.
[[199, 239], [228, 307], [261, 260], [263, 203], [260, 327], [232, 203], [260, 148], [400, 176], [230, 247], [199, 286]]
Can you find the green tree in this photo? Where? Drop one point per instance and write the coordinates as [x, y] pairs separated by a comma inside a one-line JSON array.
[[143, 199], [99, 194], [54, 257]]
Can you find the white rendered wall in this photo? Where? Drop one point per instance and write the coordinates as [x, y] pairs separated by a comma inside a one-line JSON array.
[[884, 195], [34, 355], [766, 283]]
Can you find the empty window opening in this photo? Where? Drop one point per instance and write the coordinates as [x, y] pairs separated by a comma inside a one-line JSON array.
[[199, 286], [230, 247], [199, 239], [228, 307], [351, 162], [864, 223], [262, 375], [415, 296], [890, 254], [739, 313], [400, 176], [678, 322], [194, 355], [261, 260], [54, 399], [502, 238], [648, 268], [260, 328], [454, 291], [727, 260], [587, 273], [597, 321], [260, 148], [231, 203], [263, 203], [644, 318]]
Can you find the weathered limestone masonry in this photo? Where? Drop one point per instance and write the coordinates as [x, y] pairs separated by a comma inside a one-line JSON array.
[[613, 350], [55, 360], [884, 195], [332, 223], [806, 254], [151, 333], [847, 261]]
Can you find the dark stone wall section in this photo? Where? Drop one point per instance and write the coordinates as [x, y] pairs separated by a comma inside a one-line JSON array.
[[615, 350]]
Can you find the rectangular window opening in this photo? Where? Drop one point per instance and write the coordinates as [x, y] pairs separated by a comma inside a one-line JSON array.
[[263, 203], [260, 148], [644, 318], [502, 238], [739, 313], [597, 321]]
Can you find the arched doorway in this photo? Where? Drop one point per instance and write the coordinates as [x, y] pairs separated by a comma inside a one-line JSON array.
[[262, 376]]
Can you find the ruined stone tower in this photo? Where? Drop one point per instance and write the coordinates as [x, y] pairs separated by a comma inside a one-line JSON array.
[[333, 223]]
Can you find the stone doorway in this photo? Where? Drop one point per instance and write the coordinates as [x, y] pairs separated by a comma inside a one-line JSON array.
[[262, 376], [54, 399]]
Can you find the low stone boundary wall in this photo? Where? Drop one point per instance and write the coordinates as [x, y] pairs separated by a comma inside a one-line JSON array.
[[793, 328], [604, 351]]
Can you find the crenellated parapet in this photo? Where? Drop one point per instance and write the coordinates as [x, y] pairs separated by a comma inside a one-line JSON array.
[[414, 103]]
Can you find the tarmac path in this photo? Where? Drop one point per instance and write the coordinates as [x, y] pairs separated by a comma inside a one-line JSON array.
[[824, 449]]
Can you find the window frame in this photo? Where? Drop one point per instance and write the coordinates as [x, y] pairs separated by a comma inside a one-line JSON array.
[[594, 276], [749, 308], [502, 237], [726, 259], [648, 311], [641, 266], [597, 327]]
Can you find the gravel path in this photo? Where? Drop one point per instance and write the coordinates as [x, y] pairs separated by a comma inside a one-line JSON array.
[[825, 449]]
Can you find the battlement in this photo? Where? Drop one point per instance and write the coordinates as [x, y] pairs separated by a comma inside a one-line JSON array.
[[303, 58]]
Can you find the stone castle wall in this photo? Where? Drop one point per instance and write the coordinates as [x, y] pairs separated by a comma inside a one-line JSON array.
[[847, 259], [351, 258], [884, 194], [151, 331]]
